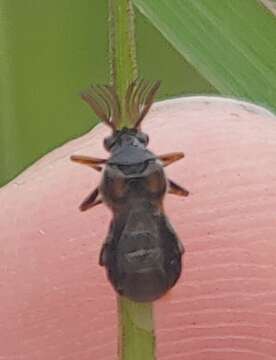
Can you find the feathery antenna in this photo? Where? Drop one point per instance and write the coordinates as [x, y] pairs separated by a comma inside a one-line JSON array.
[[104, 101]]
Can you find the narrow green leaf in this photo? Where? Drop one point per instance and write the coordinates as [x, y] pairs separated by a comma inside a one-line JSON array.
[[231, 43]]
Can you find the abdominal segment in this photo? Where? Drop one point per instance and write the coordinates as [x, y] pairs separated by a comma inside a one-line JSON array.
[[143, 256]]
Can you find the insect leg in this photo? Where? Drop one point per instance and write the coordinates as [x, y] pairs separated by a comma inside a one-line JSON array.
[[89, 161], [91, 200], [177, 189], [170, 158]]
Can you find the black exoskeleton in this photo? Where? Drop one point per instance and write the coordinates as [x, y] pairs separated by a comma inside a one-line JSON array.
[[142, 253]]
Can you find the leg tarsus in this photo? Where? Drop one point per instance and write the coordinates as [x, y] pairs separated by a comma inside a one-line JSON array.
[[91, 200], [89, 161], [170, 158], [177, 189]]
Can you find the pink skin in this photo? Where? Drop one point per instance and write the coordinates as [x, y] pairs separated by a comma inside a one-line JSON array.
[[55, 300]]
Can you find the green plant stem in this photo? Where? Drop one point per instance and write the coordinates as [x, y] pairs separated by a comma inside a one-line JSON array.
[[136, 330], [122, 49], [136, 324]]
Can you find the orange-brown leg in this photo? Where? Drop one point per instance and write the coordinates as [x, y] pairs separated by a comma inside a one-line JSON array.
[[170, 158], [89, 161], [91, 200], [177, 189]]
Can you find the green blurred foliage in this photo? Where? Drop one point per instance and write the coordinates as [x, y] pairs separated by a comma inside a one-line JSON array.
[[51, 50], [231, 43]]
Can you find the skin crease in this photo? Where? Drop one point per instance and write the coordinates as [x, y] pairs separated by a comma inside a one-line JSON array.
[[55, 300]]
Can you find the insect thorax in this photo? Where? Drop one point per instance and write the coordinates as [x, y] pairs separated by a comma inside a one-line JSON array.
[[125, 186]]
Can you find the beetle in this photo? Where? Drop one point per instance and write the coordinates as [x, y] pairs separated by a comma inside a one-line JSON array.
[[142, 253]]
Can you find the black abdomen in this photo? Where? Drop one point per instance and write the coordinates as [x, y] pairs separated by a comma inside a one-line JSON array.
[[146, 261]]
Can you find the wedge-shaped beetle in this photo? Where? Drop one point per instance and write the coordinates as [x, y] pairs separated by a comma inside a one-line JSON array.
[[142, 253]]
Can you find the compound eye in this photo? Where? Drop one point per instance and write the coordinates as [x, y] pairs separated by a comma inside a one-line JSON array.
[[109, 142]]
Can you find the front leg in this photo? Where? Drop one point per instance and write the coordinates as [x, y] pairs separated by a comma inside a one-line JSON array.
[[89, 161]]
